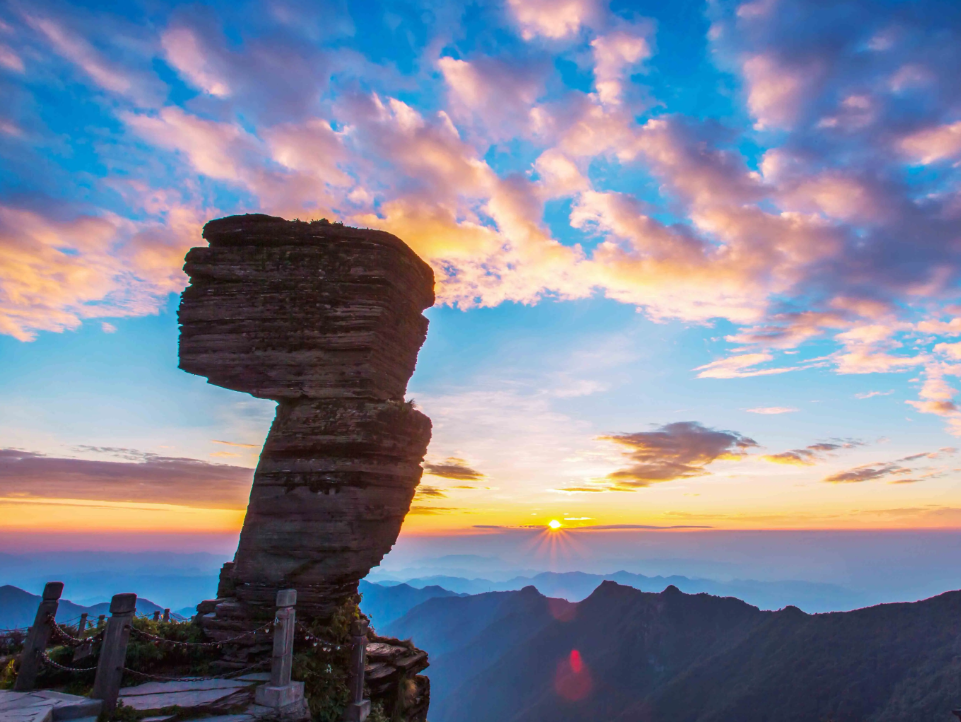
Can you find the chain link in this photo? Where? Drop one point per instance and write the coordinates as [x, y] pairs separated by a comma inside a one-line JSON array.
[[229, 675], [64, 668], [69, 639], [325, 643], [155, 638]]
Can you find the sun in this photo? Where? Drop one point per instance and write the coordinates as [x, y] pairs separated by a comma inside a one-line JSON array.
[[554, 524]]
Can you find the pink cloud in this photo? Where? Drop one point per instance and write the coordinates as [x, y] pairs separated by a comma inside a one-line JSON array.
[[615, 54], [951, 350], [213, 148], [554, 18], [185, 52], [776, 92], [107, 74], [934, 144], [499, 95], [937, 395], [10, 60]]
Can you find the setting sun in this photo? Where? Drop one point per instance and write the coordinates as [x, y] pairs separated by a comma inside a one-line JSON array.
[[554, 524]]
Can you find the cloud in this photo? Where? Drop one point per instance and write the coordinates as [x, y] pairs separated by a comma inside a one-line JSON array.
[[937, 394], [637, 527], [824, 233], [615, 54], [278, 76], [429, 492], [421, 510], [453, 468], [554, 19], [234, 443], [899, 471], [107, 74], [931, 145], [495, 93], [867, 472], [680, 450], [149, 478], [57, 271], [185, 52], [872, 394], [741, 366], [10, 60], [768, 410], [810, 455]]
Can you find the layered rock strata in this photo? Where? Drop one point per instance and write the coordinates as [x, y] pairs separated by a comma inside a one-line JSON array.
[[393, 678], [326, 320]]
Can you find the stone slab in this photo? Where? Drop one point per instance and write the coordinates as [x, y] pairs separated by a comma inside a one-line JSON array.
[[28, 714], [42, 704], [183, 686], [278, 697], [205, 700]]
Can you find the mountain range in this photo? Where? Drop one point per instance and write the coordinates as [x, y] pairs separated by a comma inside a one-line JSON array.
[[574, 586], [622, 655], [19, 608], [383, 604]]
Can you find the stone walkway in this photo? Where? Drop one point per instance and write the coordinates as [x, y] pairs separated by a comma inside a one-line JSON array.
[[214, 700], [45, 705], [227, 700]]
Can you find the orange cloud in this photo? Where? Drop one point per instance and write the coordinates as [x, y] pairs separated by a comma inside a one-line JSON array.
[[55, 273]]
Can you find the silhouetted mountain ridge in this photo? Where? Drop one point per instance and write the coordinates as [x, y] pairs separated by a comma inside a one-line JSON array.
[[385, 604], [626, 655], [19, 608], [575, 586]]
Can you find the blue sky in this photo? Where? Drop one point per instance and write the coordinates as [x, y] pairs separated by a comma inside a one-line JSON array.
[[697, 263]]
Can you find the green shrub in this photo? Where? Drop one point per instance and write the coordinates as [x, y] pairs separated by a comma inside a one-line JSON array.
[[323, 671]]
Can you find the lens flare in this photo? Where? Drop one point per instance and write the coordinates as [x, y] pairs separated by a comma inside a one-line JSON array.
[[572, 680], [554, 524]]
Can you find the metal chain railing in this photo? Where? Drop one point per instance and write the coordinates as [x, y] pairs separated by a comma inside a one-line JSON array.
[[163, 640], [68, 638], [228, 675], [64, 668], [318, 641]]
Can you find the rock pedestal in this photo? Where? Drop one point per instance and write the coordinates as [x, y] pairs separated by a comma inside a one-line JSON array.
[[326, 320]]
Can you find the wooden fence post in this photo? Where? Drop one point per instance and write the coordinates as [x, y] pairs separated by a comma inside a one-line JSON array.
[[166, 615], [281, 694], [100, 620], [106, 686], [82, 625], [156, 616], [359, 708], [36, 642]]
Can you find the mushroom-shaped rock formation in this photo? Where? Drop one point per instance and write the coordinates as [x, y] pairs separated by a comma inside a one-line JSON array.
[[326, 320]]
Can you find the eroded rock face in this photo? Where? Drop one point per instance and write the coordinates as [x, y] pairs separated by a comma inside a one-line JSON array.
[[326, 320]]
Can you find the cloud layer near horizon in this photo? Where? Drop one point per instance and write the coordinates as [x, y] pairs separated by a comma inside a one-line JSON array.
[[822, 205], [135, 477]]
